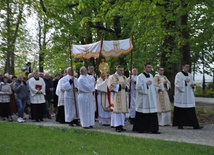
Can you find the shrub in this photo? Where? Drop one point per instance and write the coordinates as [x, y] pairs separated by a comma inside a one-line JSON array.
[[210, 86], [209, 92]]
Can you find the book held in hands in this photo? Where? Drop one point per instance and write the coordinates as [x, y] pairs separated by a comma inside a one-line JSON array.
[[38, 87]]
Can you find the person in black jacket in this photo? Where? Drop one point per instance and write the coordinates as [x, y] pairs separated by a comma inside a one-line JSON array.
[[55, 97], [49, 94]]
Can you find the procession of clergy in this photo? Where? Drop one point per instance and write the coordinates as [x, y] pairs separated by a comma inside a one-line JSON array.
[[149, 105]]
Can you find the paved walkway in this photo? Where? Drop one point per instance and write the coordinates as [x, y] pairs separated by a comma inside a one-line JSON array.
[[204, 100], [204, 136]]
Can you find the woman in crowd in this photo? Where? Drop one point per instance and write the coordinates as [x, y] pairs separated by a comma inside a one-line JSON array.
[[13, 104], [5, 92]]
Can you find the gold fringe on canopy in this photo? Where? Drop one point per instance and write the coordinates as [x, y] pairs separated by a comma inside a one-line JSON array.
[[87, 51], [114, 48]]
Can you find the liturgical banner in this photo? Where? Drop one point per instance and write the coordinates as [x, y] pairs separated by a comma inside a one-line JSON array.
[[116, 48], [87, 51]]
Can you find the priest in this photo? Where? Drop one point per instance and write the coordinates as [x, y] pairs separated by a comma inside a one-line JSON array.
[[146, 120], [86, 84], [60, 115], [184, 104], [118, 85], [163, 102], [70, 85], [37, 97], [103, 100], [132, 81]]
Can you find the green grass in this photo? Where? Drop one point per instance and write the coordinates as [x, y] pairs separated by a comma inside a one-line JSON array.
[[208, 111], [20, 139], [205, 114]]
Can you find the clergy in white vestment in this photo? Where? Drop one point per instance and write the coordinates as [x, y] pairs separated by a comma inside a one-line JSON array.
[[146, 119], [37, 97], [184, 101], [60, 116], [118, 85], [70, 85], [92, 74], [132, 81], [163, 102], [86, 84], [103, 100]]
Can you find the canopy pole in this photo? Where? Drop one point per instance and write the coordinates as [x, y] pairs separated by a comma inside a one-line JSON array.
[[71, 65], [130, 73]]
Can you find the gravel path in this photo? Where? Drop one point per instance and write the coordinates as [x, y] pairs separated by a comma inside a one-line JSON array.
[[204, 100]]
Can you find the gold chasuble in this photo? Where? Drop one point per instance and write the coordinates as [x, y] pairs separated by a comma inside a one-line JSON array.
[[163, 102], [105, 94], [119, 99]]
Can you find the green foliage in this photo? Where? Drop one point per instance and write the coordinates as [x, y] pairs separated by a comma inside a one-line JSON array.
[[155, 26], [209, 92], [11, 30], [210, 85], [202, 32]]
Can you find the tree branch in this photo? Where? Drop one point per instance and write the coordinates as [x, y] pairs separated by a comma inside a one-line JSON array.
[[70, 6], [43, 6], [101, 27], [17, 26]]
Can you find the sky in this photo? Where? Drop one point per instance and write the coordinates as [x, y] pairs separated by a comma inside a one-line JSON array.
[[199, 78]]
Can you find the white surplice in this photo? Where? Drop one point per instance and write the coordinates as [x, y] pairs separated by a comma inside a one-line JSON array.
[[70, 101], [60, 93], [86, 84], [132, 111], [184, 94], [146, 101], [36, 98]]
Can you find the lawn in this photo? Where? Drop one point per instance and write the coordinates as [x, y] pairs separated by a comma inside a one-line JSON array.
[[19, 139], [205, 113]]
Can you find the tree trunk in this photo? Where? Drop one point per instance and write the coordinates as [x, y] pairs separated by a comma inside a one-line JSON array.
[[169, 48], [185, 49], [8, 57], [12, 68], [42, 44], [11, 39], [40, 48]]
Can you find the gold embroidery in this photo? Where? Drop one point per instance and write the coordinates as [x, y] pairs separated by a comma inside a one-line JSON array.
[[116, 45], [86, 49]]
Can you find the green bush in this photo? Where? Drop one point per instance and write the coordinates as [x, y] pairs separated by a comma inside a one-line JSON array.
[[209, 92], [210, 86]]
